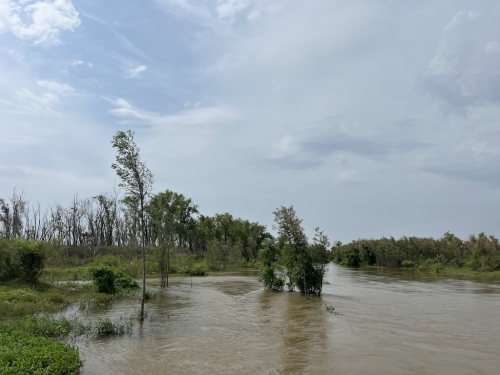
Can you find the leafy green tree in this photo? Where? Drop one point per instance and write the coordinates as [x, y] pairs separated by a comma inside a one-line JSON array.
[[137, 180], [296, 259], [269, 274]]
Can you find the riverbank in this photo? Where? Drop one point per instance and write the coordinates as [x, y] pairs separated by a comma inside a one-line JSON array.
[[31, 341], [439, 269]]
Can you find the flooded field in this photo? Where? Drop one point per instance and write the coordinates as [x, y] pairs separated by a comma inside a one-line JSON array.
[[384, 322]]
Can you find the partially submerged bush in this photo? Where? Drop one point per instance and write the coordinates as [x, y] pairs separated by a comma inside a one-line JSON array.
[[124, 281], [109, 281], [270, 280], [106, 327], [407, 264], [104, 279]]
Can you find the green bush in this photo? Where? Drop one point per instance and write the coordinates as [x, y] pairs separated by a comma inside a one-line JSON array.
[[109, 281], [31, 261], [270, 280], [124, 281], [105, 327], [24, 353], [407, 264], [22, 259], [104, 279]]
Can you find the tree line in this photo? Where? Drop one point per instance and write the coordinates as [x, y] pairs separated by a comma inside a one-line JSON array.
[[477, 252], [106, 220]]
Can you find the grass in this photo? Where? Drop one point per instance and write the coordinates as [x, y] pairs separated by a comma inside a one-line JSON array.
[[19, 299], [468, 272], [25, 353]]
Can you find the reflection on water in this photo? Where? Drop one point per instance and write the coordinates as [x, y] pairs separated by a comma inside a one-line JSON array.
[[393, 322]]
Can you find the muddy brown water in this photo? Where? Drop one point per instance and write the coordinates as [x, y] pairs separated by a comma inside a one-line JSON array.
[[385, 322]]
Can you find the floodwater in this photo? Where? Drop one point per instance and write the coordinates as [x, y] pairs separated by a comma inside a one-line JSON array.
[[384, 322]]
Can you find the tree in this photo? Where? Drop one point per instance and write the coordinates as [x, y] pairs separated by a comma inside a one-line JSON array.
[[296, 258], [137, 180], [319, 250], [163, 221]]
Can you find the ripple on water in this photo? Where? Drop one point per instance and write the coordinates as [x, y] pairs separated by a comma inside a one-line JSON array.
[[387, 323]]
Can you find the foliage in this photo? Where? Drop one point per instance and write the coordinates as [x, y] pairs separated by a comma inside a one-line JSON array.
[[24, 353], [407, 264], [137, 180], [107, 280], [46, 326], [22, 258], [107, 327], [31, 259], [296, 255], [269, 257], [7, 263], [352, 259], [124, 281], [103, 279], [477, 253]]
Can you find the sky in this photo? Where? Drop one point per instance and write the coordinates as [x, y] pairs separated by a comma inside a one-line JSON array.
[[372, 117]]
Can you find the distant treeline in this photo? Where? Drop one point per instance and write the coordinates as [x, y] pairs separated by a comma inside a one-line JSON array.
[[105, 221], [479, 253]]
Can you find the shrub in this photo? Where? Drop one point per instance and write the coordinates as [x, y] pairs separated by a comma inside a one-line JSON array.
[[124, 281], [22, 258], [407, 264], [270, 280], [105, 327], [103, 278], [109, 281]]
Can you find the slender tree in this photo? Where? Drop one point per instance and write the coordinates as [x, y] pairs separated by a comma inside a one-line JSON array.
[[137, 180]]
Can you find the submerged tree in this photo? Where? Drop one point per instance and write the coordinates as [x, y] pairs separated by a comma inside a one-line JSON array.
[[137, 180], [297, 260]]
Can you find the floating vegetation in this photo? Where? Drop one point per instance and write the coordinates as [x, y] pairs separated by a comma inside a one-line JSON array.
[[331, 310]]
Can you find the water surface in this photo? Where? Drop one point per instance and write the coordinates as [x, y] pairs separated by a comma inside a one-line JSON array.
[[385, 322]]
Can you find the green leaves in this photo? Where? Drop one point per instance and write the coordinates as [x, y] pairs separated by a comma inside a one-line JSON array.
[[137, 179], [296, 257]]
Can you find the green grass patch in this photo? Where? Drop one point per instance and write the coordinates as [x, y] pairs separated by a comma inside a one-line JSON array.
[[25, 353], [19, 299], [469, 272]]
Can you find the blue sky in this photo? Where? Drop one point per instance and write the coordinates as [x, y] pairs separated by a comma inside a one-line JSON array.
[[374, 118]]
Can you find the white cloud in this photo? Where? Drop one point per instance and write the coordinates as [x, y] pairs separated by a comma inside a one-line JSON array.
[[77, 62], [40, 21], [55, 87], [228, 9], [44, 98], [196, 116], [464, 72], [134, 72]]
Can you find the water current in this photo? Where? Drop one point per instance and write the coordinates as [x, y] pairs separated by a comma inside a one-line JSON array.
[[385, 322]]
